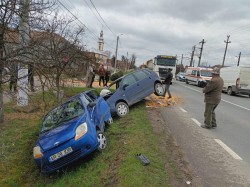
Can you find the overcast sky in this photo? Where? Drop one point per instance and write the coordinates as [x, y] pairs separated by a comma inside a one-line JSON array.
[[148, 28]]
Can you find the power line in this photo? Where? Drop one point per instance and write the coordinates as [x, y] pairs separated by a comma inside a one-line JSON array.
[[102, 19]]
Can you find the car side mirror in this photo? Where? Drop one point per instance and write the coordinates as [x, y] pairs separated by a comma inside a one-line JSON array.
[[124, 86], [92, 104]]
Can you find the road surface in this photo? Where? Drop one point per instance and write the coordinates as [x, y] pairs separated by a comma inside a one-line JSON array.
[[221, 156]]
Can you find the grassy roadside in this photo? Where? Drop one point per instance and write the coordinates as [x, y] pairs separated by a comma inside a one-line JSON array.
[[116, 166]]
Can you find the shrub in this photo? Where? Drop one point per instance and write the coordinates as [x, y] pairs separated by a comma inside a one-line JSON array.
[[116, 75]]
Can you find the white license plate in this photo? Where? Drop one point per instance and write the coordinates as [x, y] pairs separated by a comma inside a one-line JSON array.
[[60, 154]]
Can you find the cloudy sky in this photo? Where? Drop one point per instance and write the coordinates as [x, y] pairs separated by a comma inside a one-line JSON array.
[[148, 28]]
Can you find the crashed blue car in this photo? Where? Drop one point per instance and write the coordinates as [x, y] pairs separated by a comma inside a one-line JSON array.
[[130, 89], [72, 130]]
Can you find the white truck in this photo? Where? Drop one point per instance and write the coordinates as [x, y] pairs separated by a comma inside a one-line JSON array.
[[236, 80]]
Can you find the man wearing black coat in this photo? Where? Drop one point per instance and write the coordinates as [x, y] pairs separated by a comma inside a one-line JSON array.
[[168, 82]]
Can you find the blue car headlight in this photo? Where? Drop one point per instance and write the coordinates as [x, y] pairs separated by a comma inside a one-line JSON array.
[[37, 153], [81, 130]]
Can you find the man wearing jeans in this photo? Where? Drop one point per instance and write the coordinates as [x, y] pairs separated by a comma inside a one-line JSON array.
[[212, 98], [168, 82]]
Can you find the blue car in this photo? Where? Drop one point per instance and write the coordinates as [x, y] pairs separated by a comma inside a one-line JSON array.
[[72, 130], [130, 89]]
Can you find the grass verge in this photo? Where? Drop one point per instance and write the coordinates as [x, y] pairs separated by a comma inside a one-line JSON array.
[[115, 166]]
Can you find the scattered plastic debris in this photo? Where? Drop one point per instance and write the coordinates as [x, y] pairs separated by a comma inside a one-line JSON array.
[[188, 182], [143, 159]]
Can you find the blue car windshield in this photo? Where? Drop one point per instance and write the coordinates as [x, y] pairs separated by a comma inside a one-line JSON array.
[[63, 113]]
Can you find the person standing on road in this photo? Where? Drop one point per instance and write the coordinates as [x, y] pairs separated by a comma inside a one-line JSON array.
[[101, 72], [212, 98], [168, 82]]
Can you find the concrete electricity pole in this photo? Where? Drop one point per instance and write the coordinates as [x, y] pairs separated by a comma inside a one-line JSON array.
[[202, 43], [239, 59], [192, 57], [227, 42], [22, 81], [116, 52]]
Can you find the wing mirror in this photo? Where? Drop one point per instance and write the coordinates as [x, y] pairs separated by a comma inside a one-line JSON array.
[[92, 104]]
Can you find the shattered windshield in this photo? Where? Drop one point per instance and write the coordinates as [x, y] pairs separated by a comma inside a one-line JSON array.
[[63, 113]]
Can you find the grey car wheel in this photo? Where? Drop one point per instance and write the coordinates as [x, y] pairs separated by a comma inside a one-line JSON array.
[[122, 109], [229, 91], [159, 89], [102, 141]]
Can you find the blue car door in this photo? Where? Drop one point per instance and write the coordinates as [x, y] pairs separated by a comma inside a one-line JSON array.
[[145, 83], [130, 89]]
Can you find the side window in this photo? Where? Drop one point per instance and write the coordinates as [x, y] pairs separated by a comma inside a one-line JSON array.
[[128, 80], [194, 72], [140, 75], [198, 73]]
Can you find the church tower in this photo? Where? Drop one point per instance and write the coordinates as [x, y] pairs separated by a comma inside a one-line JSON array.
[[100, 43]]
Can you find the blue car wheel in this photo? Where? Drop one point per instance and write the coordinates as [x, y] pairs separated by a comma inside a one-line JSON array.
[[102, 141], [122, 109], [159, 89]]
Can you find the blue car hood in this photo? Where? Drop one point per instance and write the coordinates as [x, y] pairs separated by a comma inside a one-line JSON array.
[[60, 134]]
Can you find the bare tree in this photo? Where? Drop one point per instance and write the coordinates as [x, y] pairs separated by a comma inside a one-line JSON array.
[[57, 49], [10, 50]]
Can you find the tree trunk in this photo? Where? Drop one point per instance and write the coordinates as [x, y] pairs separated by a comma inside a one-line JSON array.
[[1, 76]]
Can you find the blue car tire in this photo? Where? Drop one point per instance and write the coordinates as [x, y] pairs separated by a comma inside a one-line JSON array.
[[122, 109], [159, 89]]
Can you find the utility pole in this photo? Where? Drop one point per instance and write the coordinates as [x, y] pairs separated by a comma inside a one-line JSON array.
[[22, 81], [181, 62], [192, 56], [202, 43], [225, 49], [116, 52], [239, 59]]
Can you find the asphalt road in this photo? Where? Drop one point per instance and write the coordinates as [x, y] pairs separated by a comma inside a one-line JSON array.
[[218, 157]]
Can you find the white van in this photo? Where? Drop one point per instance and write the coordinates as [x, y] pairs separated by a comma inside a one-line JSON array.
[[236, 79], [198, 76]]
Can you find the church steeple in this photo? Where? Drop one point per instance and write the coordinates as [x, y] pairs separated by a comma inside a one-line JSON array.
[[100, 43]]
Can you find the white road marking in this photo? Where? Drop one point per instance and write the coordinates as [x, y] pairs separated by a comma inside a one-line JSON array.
[[196, 122], [235, 104], [221, 99], [182, 109], [230, 151]]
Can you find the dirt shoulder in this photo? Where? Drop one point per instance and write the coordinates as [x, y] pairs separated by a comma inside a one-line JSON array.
[[177, 168]]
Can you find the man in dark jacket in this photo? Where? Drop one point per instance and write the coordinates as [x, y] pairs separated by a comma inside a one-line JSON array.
[[212, 98], [168, 82]]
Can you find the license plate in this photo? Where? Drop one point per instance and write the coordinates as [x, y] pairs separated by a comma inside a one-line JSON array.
[[60, 154]]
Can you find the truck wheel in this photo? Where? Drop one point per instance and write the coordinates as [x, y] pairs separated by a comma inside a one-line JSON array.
[[187, 81], [230, 91]]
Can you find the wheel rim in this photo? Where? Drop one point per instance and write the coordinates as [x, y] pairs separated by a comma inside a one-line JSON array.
[[159, 88], [229, 91], [102, 141], [122, 109]]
